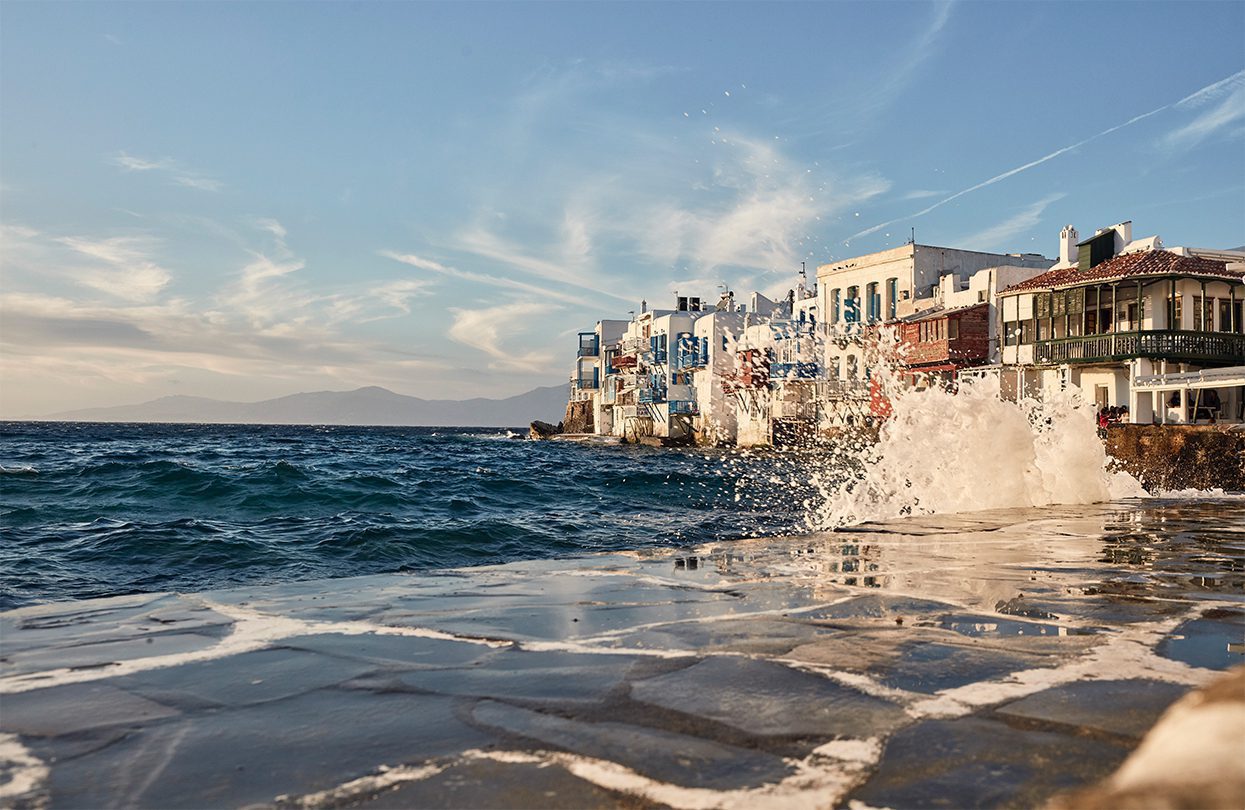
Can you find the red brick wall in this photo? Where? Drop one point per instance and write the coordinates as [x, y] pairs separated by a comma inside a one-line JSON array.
[[970, 348], [973, 346]]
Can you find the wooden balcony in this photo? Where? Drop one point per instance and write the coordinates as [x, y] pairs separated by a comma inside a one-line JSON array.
[[1225, 348]]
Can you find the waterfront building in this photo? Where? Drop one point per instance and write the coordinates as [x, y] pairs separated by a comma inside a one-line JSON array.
[[1133, 324], [710, 358], [779, 362], [926, 291], [646, 394], [955, 330], [590, 374]]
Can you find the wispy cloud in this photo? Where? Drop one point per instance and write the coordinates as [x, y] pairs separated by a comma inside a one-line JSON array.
[[1230, 109], [895, 72], [570, 267], [1208, 91], [266, 294], [177, 174], [999, 237], [487, 329], [263, 325], [675, 199], [921, 194], [124, 266], [759, 207], [484, 280]]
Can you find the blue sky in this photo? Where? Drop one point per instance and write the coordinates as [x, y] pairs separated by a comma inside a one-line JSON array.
[[247, 200]]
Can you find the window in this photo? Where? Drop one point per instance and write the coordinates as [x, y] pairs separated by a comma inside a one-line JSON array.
[[1010, 333], [851, 307], [835, 300], [1026, 332], [1174, 313], [1042, 304], [953, 329], [1203, 314], [852, 368], [892, 297], [834, 368], [1229, 315], [873, 302]]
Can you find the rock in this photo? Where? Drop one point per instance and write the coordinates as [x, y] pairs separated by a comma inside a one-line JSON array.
[[1192, 758], [1180, 456], [579, 418], [543, 430]]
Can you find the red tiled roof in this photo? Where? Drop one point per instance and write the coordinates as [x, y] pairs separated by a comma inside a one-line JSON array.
[[1144, 263], [938, 312]]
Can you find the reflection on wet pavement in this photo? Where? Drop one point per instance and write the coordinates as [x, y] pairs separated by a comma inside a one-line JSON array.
[[990, 659]]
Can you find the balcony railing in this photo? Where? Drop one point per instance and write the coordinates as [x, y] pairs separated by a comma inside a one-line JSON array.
[[843, 389], [589, 344], [685, 361], [793, 371], [587, 381], [648, 396], [684, 406], [1205, 347]]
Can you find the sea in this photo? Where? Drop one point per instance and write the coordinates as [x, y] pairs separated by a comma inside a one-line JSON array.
[[92, 510]]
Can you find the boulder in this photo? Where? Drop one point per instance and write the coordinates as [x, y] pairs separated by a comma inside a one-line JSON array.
[[543, 430]]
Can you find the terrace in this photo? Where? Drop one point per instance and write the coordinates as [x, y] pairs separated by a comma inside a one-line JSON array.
[[1225, 348]]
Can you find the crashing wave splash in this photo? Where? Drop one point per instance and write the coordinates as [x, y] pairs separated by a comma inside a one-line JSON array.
[[943, 451]]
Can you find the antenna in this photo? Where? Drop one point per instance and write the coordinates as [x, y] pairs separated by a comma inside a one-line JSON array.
[[912, 239]]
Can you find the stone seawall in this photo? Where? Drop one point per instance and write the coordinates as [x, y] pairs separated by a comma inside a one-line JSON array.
[[1180, 456]]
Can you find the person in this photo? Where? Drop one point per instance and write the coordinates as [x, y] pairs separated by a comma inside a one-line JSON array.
[[1210, 404], [1174, 402], [1102, 422]]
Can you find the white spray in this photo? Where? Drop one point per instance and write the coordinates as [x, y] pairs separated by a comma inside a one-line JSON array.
[[944, 451]]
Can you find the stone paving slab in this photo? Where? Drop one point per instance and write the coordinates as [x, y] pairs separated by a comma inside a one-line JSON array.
[[67, 710], [975, 762], [246, 679], [766, 699], [559, 677], [478, 785], [254, 754], [674, 758], [986, 660], [1126, 708]]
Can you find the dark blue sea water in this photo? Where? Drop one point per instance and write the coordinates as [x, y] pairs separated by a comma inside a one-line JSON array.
[[94, 510]]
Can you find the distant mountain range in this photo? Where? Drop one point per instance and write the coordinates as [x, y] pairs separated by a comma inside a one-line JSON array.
[[363, 406]]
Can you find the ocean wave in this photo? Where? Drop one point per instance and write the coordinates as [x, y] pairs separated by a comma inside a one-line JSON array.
[[127, 508]]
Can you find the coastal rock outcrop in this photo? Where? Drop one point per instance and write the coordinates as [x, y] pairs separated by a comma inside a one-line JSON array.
[[543, 430], [579, 417], [1175, 457]]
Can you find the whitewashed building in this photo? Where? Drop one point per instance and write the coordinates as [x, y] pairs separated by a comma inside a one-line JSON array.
[[591, 369], [1120, 318], [858, 293]]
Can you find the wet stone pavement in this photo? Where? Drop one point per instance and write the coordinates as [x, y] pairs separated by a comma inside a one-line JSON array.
[[985, 660]]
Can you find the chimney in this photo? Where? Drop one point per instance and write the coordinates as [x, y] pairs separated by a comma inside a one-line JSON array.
[[1123, 235], [1068, 238]]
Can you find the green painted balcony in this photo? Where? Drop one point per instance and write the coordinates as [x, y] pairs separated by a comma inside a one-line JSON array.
[[1225, 348]]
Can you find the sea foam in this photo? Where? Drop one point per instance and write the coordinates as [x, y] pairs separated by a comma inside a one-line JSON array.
[[945, 451]]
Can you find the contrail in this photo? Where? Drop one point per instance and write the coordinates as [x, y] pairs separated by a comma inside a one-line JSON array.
[[1198, 95]]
